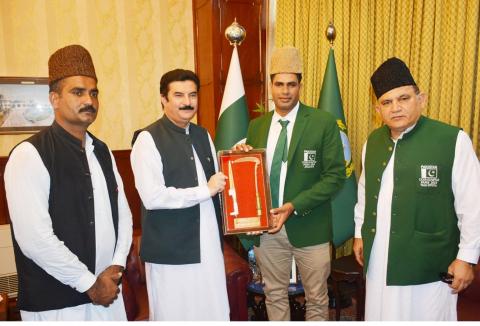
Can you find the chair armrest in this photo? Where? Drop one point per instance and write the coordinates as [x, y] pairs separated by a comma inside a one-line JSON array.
[[4, 306], [238, 276], [134, 285], [469, 299]]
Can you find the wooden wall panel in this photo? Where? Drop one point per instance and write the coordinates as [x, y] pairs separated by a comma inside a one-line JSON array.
[[213, 53], [250, 14], [4, 216], [207, 61]]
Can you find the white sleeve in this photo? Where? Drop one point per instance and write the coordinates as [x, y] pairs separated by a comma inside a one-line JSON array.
[[148, 172], [466, 187], [27, 185], [360, 206], [124, 239]]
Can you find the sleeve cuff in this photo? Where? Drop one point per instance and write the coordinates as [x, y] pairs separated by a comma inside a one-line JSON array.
[[468, 255], [358, 231], [203, 193], [85, 282], [299, 210], [119, 259]]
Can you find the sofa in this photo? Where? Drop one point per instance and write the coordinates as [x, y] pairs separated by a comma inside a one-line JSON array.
[[468, 307], [134, 288]]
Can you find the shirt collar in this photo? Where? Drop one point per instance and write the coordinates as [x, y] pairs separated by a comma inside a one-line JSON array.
[[173, 126], [407, 131], [89, 146], [291, 116]]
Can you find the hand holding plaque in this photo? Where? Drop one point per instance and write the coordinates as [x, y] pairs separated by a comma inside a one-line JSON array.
[[246, 198]]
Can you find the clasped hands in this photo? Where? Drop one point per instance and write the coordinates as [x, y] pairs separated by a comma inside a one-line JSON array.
[[105, 290], [279, 215]]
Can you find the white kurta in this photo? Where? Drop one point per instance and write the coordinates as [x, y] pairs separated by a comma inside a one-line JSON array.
[[27, 181], [190, 291], [431, 301]]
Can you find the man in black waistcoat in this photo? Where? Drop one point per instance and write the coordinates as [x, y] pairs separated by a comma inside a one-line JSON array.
[[72, 227], [172, 159]]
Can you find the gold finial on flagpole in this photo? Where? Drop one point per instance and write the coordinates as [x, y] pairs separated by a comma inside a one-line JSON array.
[[331, 33], [235, 33]]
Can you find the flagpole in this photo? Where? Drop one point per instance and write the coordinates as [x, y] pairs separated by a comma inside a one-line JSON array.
[[331, 33], [330, 100], [233, 117], [235, 33]]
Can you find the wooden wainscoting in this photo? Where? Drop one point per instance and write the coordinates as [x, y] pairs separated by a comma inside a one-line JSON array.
[[213, 53], [4, 216]]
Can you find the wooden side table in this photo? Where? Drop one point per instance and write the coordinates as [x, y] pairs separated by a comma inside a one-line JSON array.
[[346, 269], [3, 306]]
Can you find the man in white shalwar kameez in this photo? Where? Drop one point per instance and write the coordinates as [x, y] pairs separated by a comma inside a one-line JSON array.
[[72, 227], [417, 213], [175, 169]]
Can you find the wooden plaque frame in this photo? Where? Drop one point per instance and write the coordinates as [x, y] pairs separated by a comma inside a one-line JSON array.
[[246, 200]]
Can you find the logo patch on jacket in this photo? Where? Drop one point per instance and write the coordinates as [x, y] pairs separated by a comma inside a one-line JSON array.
[[428, 176], [309, 159]]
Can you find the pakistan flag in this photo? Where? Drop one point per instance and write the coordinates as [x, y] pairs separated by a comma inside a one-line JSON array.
[[233, 117], [344, 202]]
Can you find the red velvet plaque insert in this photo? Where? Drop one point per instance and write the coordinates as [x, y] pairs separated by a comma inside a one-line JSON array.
[[246, 199]]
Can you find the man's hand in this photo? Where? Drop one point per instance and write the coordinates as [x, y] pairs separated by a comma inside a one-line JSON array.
[[115, 272], [462, 275], [358, 250], [216, 183], [242, 147], [105, 289], [280, 215]]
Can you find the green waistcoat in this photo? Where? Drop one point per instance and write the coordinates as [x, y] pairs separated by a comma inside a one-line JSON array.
[[424, 235]]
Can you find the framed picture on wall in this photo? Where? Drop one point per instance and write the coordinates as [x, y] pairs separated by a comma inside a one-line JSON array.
[[24, 105]]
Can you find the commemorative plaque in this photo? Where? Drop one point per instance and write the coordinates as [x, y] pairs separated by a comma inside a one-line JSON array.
[[246, 198]]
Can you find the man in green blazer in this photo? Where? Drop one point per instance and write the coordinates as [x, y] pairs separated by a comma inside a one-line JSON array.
[[306, 166]]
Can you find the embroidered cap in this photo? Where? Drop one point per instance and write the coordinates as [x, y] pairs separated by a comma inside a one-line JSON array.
[[285, 60], [72, 60], [391, 74]]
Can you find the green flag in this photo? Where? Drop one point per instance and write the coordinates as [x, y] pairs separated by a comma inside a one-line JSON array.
[[344, 202], [233, 117]]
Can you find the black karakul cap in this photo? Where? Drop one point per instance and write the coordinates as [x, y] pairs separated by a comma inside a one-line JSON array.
[[391, 74]]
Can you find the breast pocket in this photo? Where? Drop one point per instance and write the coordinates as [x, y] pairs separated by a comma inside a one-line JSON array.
[[307, 160], [430, 178], [433, 211]]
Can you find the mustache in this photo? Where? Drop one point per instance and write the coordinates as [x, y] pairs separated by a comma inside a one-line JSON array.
[[186, 107], [88, 108]]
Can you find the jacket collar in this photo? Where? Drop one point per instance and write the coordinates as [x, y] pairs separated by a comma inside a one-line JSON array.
[[298, 129], [167, 122]]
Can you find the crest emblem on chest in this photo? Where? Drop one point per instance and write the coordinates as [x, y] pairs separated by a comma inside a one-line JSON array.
[[429, 176], [309, 159]]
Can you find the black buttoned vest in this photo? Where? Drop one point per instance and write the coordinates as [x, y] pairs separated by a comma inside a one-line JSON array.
[[71, 209], [172, 236]]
